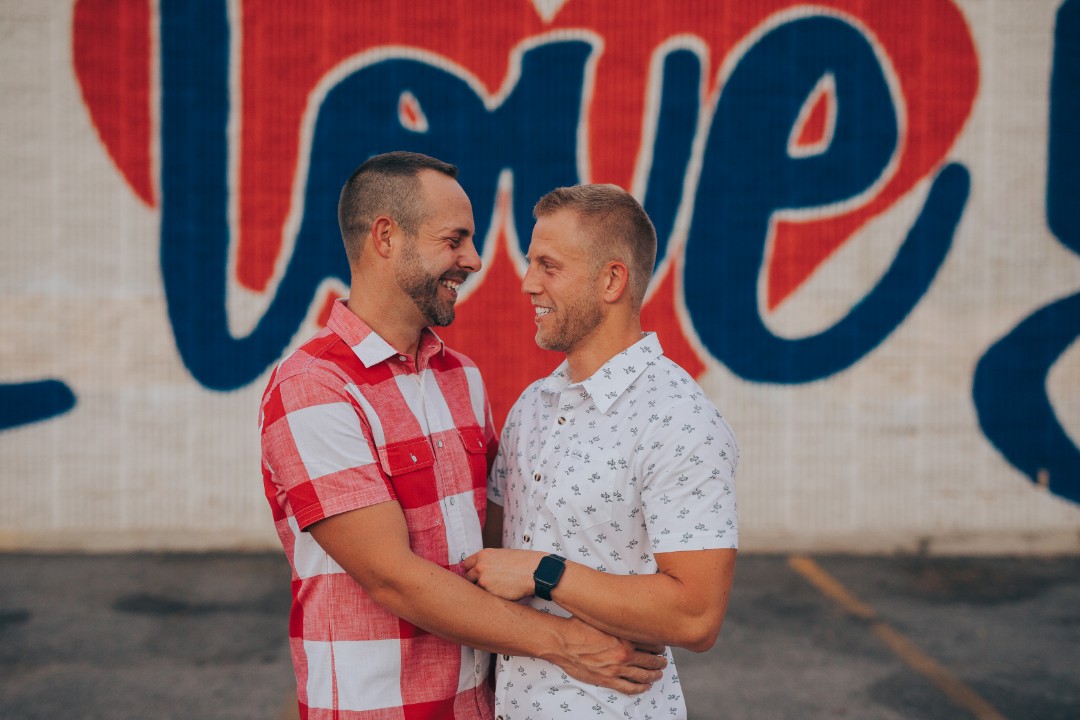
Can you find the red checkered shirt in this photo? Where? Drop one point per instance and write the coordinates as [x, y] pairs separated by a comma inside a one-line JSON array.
[[347, 422]]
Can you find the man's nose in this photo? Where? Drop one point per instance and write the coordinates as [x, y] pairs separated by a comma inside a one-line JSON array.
[[529, 284], [469, 259]]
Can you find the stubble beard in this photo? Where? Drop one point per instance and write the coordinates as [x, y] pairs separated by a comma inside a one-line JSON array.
[[423, 289], [577, 320]]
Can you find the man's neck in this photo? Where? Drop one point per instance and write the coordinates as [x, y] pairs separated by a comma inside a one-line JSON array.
[[402, 333], [595, 351]]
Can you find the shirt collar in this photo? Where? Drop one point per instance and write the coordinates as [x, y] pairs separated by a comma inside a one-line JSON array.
[[614, 377], [368, 345]]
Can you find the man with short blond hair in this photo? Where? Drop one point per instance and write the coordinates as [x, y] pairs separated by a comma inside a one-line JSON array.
[[613, 493], [617, 225]]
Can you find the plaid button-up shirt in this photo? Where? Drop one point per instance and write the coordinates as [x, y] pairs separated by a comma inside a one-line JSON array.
[[346, 422]]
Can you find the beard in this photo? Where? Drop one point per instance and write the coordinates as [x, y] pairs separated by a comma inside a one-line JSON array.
[[423, 288], [573, 322]]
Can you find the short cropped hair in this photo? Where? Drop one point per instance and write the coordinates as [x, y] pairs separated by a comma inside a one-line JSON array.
[[387, 184], [618, 228]]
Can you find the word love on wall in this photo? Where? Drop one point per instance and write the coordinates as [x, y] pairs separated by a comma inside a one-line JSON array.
[[793, 109], [760, 136]]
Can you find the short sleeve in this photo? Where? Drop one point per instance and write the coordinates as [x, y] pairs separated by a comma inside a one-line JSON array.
[[688, 462], [318, 447]]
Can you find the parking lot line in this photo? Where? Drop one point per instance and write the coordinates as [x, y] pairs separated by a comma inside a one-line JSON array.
[[949, 684]]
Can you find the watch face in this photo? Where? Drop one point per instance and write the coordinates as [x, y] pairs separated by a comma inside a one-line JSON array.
[[548, 570], [547, 575]]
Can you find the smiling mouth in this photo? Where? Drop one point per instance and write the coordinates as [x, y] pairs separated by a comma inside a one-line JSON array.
[[451, 285], [542, 311]]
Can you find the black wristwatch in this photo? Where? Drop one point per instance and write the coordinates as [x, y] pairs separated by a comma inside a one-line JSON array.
[[547, 575]]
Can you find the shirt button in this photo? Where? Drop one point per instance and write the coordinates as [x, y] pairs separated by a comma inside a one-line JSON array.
[[439, 444], [507, 659], [562, 421], [536, 477], [451, 501], [402, 358], [527, 538], [413, 458]]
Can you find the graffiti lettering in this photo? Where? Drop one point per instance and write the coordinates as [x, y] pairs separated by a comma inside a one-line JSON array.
[[748, 176], [358, 118], [1010, 379], [751, 179]]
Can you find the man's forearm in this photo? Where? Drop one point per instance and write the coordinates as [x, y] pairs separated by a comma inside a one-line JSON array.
[[654, 609], [372, 546], [683, 604], [447, 605]]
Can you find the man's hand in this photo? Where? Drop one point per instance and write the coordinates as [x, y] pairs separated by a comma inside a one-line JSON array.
[[503, 572], [585, 653], [682, 605], [592, 656], [372, 545]]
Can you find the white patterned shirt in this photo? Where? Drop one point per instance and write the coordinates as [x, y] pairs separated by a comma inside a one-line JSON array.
[[633, 461]]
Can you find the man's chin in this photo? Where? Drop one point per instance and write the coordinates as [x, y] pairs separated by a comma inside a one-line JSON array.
[[545, 343], [441, 319]]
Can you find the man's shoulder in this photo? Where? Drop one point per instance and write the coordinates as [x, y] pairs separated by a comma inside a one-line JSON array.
[[531, 393], [528, 398], [314, 355], [680, 396], [677, 384], [324, 360]]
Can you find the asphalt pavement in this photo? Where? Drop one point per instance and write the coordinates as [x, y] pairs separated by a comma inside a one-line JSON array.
[[160, 636]]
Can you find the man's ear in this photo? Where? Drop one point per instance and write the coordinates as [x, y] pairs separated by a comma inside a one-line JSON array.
[[616, 279], [382, 230]]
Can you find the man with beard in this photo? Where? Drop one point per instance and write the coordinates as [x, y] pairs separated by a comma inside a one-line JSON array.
[[613, 487], [376, 442]]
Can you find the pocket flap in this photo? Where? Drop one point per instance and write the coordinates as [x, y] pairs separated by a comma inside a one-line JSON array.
[[405, 457], [473, 439]]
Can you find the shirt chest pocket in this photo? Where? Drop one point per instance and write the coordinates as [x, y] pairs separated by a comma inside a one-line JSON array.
[[583, 492], [472, 440], [410, 467]]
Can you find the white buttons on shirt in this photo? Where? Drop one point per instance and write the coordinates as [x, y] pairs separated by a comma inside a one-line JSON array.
[[439, 444], [402, 358]]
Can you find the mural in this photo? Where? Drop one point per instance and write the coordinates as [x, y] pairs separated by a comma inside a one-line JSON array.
[[761, 138], [1010, 381]]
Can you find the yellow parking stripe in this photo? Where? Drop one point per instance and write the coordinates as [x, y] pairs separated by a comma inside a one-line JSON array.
[[953, 688]]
